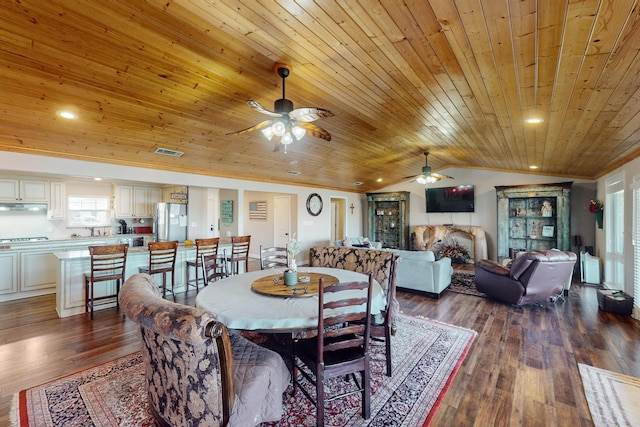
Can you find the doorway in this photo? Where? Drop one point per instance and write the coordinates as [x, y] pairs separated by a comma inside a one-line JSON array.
[[282, 220], [338, 218]]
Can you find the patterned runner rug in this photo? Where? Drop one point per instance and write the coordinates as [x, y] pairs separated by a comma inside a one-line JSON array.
[[463, 282], [614, 399], [426, 357]]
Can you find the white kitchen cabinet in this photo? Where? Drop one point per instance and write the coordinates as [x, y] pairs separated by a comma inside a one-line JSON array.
[[136, 201], [140, 202], [124, 201], [38, 271], [57, 200], [9, 276], [13, 190], [155, 197]]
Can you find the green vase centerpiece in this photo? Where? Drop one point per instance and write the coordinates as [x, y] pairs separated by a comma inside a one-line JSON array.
[[291, 274]]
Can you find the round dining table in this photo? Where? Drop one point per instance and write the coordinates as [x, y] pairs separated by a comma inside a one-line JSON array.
[[238, 306]]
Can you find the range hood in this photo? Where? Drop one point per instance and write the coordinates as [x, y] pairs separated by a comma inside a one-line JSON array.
[[24, 207]]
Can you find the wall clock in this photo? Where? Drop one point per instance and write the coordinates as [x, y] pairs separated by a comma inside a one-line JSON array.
[[314, 204]]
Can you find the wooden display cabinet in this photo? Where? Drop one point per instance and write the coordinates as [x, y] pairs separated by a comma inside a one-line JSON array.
[[533, 217], [389, 219]]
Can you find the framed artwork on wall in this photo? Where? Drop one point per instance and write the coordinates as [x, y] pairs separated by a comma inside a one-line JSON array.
[[258, 210]]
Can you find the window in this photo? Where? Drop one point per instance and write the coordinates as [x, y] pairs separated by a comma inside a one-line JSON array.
[[614, 233], [88, 211], [636, 246]]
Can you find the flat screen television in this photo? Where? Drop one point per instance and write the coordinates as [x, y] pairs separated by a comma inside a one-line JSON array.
[[451, 199]]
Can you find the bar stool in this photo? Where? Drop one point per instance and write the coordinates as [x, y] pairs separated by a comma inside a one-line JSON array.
[[208, 247], [162, 259], [239, 253], [107, 263]]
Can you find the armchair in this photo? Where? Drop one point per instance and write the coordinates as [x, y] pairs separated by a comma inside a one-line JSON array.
[[532, 277], [196, 373]]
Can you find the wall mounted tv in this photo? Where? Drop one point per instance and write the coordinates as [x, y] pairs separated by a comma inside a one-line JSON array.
[[450, 199]]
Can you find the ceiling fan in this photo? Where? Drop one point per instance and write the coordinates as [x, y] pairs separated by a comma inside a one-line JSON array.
[[287, 122], [427, 177]]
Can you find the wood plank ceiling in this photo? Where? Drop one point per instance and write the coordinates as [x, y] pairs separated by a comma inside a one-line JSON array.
[[455, 77]]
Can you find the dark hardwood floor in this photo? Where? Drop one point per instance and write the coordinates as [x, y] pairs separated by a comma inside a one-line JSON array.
[[521, 370]]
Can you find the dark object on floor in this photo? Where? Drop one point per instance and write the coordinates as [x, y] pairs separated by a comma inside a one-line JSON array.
[[533, 277], [615, 301]]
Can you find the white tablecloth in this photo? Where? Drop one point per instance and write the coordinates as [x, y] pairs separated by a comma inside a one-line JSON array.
[[238, 307]]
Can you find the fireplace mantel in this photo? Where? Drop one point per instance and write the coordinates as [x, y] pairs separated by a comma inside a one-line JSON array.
[[425, 236]]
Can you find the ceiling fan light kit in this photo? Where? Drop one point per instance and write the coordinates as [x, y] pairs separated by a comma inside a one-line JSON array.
[[288, 122], [427, 177]]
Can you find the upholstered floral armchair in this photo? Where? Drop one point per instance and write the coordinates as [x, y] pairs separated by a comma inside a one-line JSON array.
[[196, 373]]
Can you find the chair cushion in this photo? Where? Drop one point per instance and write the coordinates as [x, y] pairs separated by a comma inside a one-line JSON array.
[[259, 377]]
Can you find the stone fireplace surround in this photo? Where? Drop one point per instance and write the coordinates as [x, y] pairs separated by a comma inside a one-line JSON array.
[[424, 237]]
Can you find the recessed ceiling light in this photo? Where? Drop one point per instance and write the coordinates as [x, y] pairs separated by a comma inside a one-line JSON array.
[[66, 114], [97, 179], [379, 179], [358, 183], [534, 120], [293, 162], [533, 167], [295, 173]]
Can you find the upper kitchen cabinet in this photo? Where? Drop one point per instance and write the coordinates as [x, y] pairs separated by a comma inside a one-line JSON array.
[[136, 201], [57, 201], [13, 190]]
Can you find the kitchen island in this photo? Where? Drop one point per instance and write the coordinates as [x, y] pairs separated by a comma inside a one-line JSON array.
[[73, 264]]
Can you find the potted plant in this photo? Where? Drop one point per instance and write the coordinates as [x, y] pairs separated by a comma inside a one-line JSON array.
[[596, 207], [458, 253], [291, 274]]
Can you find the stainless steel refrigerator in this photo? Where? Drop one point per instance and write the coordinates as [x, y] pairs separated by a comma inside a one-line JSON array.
[[170, 222]]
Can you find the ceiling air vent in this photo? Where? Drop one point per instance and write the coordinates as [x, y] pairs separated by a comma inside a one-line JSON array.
[[167, 152]]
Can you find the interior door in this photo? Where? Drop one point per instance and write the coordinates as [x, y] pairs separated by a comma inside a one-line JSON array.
[[338, 221], [282, 220]]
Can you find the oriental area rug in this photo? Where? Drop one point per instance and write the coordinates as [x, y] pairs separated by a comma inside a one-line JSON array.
[[463, 282], [614, 399], [426, 356]]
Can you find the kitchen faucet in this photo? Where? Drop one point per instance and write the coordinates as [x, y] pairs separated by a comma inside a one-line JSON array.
[[92, 231]]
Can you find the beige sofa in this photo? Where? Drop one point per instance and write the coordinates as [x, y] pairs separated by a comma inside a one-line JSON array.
[[419, 271]]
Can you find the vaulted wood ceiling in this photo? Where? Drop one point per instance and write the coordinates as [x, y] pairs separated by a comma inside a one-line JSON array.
[[455, 77]]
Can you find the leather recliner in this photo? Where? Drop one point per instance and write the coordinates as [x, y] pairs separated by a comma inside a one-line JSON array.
[[532, 277]]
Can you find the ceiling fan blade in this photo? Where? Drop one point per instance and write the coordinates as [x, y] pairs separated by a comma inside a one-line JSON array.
[[260, 109], [440, 176], [255, 127], [316, 131], [407, 177], [310, 114]]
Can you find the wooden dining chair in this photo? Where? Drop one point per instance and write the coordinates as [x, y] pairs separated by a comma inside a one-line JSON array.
[[108, 263], [213, 268], [239, 253], [341, 347], [273, 256], [203, 247], [162, 260]]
